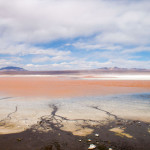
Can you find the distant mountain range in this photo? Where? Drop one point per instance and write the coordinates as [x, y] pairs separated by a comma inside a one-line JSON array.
[[123, 69], [12, 68]]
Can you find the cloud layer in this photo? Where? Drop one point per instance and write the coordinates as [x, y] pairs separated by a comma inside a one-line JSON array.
[[100, 26]]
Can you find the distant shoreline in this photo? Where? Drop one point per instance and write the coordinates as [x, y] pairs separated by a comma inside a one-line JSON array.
[[87, 76]]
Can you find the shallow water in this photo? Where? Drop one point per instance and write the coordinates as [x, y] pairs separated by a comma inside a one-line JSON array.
[[129, 106], [29, 110]]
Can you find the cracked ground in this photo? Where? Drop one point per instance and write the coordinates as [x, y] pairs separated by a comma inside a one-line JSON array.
[[69, 124]]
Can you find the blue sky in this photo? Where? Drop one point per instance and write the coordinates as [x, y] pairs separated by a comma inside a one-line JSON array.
[[74, 34]]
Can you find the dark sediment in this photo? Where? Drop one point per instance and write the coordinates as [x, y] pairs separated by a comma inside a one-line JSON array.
[[55, 138]]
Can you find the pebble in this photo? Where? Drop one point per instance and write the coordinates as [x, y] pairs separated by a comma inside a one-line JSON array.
[[89, 140], [110, 149], [19, 139], [97, 135], [92, 146], [79, 140]]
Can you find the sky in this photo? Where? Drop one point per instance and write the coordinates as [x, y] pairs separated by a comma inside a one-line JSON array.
[[74, 34]]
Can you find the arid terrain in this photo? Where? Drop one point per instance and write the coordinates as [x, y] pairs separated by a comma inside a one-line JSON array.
[[75, 112]]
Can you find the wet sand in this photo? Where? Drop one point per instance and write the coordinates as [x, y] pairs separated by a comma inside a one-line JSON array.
[[56, 113]]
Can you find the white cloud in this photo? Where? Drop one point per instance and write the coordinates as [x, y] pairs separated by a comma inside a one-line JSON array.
[[76, 65], [39, 59], [14, 61], [25, 49], [73, 65], [137, 49], [106, 25], [46, 20], [93, 46]]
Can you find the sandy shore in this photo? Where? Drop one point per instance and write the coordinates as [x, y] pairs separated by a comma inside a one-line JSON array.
[[74, 109]]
